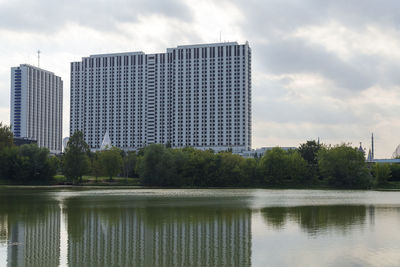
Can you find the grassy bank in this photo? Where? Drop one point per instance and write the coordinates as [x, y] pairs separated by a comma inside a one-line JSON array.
[[390, 186], [99, 181], [89, 181]]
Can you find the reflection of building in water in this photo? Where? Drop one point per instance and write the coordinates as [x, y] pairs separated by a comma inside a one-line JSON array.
[[155, 237], [3, 228], [35, 241]]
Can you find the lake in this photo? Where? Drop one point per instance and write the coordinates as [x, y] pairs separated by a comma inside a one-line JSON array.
[[210, 227]]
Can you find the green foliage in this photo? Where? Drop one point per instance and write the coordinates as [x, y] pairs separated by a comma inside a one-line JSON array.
[[27, 164], [200, 168], [278, 166], [161, 166], [382, 173], [309, 151], [6, 136], [76, 160], [129, 164], [229, 173], [298, 169], [344, 166], [111, 161], [395, 171], [273, 166], [96, 165], [157, 166], [250, 175]]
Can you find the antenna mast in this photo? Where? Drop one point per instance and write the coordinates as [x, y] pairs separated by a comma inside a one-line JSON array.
[[38, 58], [372, 144]]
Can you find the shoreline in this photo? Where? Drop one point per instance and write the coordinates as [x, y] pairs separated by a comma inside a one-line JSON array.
[[90, 187]]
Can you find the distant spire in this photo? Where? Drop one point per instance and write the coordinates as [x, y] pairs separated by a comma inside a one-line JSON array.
[[372, 147], [361, 148], [369, 158], [318, 140]]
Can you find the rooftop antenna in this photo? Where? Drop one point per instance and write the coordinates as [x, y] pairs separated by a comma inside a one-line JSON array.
[[38, 58], [220, 36]]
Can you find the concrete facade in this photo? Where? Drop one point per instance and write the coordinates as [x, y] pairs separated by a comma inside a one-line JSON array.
[[192, 95], [36, 106]]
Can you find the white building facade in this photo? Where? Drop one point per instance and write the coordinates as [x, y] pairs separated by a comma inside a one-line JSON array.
[[36, 106], [192, 95]]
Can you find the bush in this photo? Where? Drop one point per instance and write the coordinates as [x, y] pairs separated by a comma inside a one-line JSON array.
[[382, 173], [27, 164], [343, 166]]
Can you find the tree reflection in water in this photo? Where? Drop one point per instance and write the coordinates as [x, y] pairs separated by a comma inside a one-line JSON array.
[[317, 219]]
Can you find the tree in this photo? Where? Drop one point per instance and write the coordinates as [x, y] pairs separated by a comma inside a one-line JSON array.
[[278, 166], [382, 173], [27, 164], [229, 173], [12, 165], [41, 167], [129, 163], [395, 171], [273, 166], [6, 136], [344, 166], [250, 173], [298, 169], [159, 166], [309, 151], [76, 159], [111, 160], [96, 165]]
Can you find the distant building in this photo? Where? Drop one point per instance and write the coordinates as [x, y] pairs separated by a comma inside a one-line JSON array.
[[36, 106], [18, 141], [191, 95], [259, 152]]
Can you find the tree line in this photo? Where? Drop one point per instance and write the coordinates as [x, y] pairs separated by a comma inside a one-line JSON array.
[[26, 164], [310, 165]]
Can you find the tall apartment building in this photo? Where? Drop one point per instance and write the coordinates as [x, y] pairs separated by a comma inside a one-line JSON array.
[[192, 95], [36, 106]]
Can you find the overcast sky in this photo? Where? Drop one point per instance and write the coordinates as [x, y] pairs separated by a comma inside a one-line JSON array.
[[328, 69]]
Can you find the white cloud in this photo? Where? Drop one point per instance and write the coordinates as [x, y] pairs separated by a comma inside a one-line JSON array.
[[316, 70], [347, 42]]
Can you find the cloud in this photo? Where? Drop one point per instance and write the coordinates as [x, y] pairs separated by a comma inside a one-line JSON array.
[[295, 56], [47, 16], [320, 68]]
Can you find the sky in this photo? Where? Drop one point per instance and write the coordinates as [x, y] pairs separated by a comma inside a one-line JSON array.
[[327, 69]]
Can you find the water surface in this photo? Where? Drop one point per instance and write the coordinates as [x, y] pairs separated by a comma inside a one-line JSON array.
[[213, 227]]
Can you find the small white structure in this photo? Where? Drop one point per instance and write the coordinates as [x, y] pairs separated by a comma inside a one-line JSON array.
[[106, 144], [65, 143], [396, 153]]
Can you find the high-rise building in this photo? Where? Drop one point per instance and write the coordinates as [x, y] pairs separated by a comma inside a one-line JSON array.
[[36, 106], [192, 95]]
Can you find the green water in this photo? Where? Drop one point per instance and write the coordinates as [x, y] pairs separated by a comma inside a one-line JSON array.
[[199, 228]]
